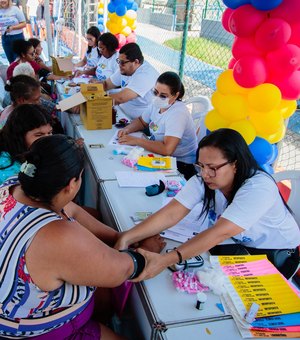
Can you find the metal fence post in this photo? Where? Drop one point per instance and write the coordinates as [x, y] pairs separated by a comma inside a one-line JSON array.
[[184, 37]]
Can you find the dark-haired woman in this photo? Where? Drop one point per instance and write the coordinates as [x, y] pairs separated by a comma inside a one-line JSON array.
[[55, 254], [239, 199], [36, 43], [170, 123], [92, 56], [25, 124]]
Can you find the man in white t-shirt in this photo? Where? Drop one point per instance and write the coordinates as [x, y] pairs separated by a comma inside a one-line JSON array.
[[136, 78], [32, 6]]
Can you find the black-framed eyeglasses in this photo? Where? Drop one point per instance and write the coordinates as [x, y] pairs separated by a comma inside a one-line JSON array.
[[211, 171], [122, 62], [156, 94]]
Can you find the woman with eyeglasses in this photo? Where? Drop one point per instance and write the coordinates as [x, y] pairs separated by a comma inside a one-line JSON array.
[[170, 123], [238, 199], [91, 58]]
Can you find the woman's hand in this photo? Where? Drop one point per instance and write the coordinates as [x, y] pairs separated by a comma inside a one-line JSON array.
[[154, 265], [78, 73], [122, 242], [123, 132], [128, 140], [154, 243]]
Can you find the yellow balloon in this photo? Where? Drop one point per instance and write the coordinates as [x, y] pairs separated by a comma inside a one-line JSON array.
[[264, 97], [114, 28], [275, 137], [214, 121], [226, 84], [100, 5], [113, 16], [126, 31], [100, 11], [234, 107], [266, 122], [133, 26], [287, 108], [108, 24], [121, 22], [217, 99], [246, 129]]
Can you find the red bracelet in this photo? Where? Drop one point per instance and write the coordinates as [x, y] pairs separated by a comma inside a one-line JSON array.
[[179, 255]]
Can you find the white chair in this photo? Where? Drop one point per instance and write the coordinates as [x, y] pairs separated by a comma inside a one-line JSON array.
[[294, 199], [198, 107]]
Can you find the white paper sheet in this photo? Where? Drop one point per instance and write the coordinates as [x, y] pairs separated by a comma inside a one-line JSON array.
[[138, 179], [114, 139]]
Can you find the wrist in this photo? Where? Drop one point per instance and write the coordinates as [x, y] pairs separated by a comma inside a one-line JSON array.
[[139, 262]]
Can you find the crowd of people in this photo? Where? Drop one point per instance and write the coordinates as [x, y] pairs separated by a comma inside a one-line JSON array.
[[61, 255]]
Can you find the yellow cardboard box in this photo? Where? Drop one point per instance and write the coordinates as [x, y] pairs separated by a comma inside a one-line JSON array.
[[62, 66], [96, 112]]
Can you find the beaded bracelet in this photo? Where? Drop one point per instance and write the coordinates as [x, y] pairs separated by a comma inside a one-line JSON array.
[[139, 262], [179, 255]]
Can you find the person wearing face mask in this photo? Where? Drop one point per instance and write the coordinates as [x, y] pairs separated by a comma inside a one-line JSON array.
[[170, 124]]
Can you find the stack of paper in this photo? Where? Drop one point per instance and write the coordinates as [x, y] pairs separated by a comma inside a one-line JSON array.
[[253, 280]]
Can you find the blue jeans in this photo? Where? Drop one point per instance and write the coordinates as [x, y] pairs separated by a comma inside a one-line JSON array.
[[7, 44], [34, 25]]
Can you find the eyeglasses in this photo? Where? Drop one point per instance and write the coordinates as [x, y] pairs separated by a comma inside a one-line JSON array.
[[156, 94], [122, 62], [32, 54], [210, 171]]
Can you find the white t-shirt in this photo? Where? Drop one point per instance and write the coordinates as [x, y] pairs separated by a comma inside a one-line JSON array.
[[257, 208], [141, 82], [11, 16], [107, 66], [33, 5], [174, 122], [92, 58]]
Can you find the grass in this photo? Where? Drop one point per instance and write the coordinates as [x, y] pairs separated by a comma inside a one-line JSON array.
[[204, 49]]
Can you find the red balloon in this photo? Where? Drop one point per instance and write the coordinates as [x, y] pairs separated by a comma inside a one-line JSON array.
[[272, 34], [295, 37], [244, 47], [231, 63], [225, 18], [244, 20], [250, 71], [288, 10], [284, 61], [289, 86]]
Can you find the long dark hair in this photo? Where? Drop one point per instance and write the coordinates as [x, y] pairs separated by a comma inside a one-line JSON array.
[[94, 31], [235, 150], [23, 119], [172, 80], [56, 160], [21, 86]]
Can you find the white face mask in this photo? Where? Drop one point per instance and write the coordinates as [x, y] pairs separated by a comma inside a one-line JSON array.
[[161, 103]]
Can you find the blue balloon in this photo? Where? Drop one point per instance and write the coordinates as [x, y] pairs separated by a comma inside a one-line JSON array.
[[101, 27], [274, 154], [233, 4], [265, 5], [121, 10], [129, 3], [135, 6], [268, 168], [207, 132], [111, 7], [261, 150], [100, 21]]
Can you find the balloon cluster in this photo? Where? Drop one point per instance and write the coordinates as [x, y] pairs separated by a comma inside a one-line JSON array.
[[122, 20], [259, 90], [100, 16]]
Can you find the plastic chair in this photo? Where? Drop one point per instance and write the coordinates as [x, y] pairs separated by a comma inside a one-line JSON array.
[[293, 201], [198, 107]]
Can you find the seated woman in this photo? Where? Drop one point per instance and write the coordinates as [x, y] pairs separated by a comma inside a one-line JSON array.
[[241, 201], [61, 254], [92, 56], [24, 125], [107, 64], [170, 124], [24, 89], [36, 43]]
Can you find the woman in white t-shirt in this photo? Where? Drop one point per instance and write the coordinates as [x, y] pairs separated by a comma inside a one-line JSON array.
[[91, 58], [107, 65], [240, 200], [170, 124], [12, 22]]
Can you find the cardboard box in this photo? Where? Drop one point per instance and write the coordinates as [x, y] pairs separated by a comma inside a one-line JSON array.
[[95, 106], [62, 66]]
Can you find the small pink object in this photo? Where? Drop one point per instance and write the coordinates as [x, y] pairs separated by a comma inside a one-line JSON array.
[[187, 282]]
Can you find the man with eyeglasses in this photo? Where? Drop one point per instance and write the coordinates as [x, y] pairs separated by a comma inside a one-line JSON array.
[[136, 78]]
